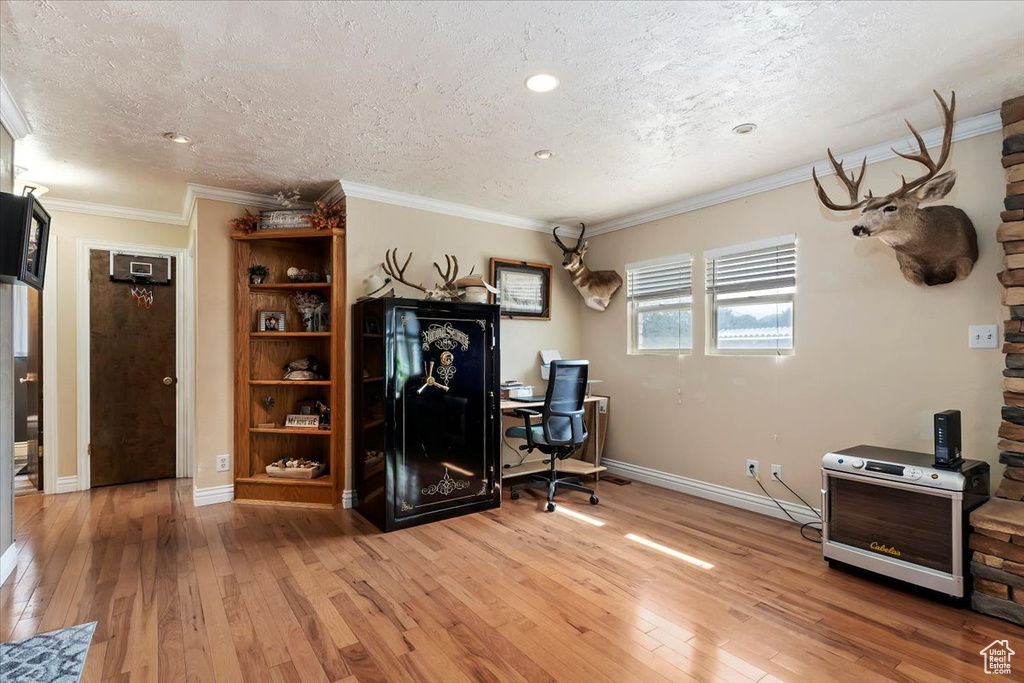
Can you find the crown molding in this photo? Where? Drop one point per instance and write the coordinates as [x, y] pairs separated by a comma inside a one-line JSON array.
[[412, 201], [195, 192], [962, 130], [11, 115], [111, 211]]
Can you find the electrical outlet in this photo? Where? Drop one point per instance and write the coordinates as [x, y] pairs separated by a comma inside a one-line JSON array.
[[223, 463], [776, 471], [757, 468], [602, 406], [983, 336]]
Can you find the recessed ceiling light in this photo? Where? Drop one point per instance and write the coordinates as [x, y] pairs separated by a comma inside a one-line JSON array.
[[744, 129], [178, 137], [543, 154], [542, 82]]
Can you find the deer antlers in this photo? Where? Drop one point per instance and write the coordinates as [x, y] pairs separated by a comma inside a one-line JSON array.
[[852, 182], [447, 287], [390, 267], [579, 240]]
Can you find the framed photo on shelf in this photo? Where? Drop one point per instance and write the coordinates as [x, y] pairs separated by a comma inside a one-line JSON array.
[[271, 321], [524, 289]]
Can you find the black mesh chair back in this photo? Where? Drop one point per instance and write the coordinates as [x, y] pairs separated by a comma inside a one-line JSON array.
[[562, 416]]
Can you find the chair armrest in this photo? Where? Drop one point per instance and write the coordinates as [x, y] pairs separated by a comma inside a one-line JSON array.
[[526, 414]]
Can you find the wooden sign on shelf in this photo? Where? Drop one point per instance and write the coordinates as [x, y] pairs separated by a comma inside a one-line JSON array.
[[302, 421]]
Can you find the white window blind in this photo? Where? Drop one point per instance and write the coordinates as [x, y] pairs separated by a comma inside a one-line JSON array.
[[659, 296], [661, 280], [754, 268]]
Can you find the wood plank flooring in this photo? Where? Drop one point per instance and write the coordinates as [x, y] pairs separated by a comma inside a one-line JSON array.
[[237, 592]]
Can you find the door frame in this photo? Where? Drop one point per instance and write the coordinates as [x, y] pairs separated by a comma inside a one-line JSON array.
[[184, 346], [51, 452]]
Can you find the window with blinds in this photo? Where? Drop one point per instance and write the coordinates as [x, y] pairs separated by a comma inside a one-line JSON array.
[[751, 290], [660, 304]]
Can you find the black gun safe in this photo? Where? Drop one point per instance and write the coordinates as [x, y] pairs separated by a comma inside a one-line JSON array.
[[426, 416]]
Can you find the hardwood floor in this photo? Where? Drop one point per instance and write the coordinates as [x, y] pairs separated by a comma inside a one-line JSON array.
[[237, 592]]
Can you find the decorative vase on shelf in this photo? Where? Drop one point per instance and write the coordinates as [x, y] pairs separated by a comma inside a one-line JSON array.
[[256, 279]]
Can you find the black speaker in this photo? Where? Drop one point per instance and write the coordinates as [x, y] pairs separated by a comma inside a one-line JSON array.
[[947, 439]]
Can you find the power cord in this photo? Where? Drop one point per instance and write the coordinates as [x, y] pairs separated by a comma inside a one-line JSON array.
[[804, 525]]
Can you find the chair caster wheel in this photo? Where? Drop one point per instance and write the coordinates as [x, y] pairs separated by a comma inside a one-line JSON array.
[[514, 495], [550, 507], [593, 500]]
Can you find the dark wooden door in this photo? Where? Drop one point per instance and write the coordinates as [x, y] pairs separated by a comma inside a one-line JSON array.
[[132, 377], [34, 388]]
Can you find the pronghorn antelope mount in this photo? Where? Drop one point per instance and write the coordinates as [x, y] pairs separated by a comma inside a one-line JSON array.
[[597, 287], [934, 245]]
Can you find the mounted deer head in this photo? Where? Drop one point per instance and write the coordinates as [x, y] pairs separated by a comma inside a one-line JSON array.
[[445, 290], [595, 286], [934, 245]]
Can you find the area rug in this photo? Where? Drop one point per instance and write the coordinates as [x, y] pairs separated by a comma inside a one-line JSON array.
[[54, 657]]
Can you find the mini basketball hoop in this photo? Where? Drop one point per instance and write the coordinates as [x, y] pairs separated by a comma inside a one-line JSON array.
[[143, 297]]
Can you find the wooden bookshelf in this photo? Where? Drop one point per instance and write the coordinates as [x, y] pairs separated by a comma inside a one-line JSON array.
[[262, 395]]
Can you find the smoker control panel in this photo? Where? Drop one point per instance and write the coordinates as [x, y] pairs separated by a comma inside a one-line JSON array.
[[910, 469]]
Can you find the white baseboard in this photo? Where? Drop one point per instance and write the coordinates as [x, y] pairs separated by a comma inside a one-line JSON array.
[[213, 495], [8, 561], [702, 489], [348, 498], [67, 484], [20, 449]]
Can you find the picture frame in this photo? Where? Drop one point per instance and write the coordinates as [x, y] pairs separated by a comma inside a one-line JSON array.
[[524, 289], [271, 321]]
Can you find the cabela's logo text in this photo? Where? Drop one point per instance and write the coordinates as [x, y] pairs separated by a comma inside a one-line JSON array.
[[445, 337], [883, 548]]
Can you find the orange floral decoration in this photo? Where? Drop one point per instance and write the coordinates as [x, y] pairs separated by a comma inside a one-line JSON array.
[[246, 223], [327, 217]]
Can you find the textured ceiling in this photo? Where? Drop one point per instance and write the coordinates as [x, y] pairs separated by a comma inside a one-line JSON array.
[[428, 98]]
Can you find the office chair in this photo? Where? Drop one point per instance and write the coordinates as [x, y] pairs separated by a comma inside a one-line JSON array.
[[561, 429]]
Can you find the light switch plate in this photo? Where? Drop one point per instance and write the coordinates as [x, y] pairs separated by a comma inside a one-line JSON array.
[[983, 336]]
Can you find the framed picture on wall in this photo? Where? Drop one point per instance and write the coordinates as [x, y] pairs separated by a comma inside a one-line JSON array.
[[524, 289]]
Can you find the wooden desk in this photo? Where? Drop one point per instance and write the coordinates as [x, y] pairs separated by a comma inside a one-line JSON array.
[[589, 464]]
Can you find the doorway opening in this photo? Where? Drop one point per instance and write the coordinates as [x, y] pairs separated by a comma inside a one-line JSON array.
[[28, 391]]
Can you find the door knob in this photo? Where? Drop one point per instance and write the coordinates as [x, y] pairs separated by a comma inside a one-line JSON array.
[[168, 381]]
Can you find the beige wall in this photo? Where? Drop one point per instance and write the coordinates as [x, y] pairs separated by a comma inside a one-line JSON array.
[[875, 356], [65, 231], [373, 227], [215, 334]]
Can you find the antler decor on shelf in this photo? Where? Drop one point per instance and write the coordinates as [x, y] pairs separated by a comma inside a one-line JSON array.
[[447, 289]]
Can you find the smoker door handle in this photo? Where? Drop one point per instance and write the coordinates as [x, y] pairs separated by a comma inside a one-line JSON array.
[[824, 510]]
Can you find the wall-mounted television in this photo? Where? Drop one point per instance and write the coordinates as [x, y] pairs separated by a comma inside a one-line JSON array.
[[24, 235]]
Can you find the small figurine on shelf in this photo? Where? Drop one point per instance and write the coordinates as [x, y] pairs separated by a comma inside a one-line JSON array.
[[257, 273], [303, 369], [324, 412]]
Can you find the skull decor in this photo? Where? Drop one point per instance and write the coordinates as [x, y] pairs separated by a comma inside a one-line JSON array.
[[303, 369]]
